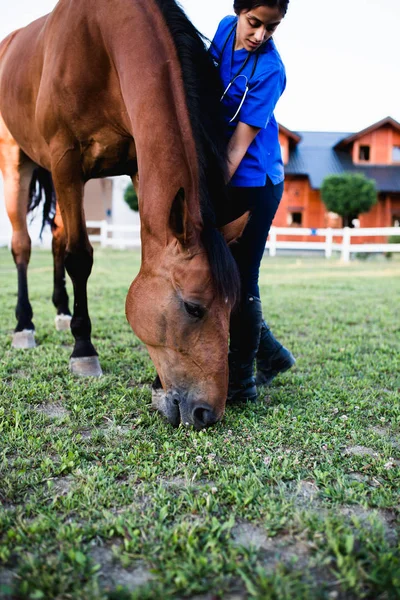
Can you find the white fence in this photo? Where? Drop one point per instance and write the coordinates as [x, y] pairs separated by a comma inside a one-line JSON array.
[[128, 236], [345, 247]]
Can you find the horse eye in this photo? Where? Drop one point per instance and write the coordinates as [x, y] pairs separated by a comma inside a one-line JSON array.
[[194, 310]]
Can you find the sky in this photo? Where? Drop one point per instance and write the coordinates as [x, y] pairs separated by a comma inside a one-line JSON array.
[[342, 57]]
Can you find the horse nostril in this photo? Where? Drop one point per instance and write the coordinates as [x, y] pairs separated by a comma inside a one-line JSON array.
[[175, 398], [204, 417]]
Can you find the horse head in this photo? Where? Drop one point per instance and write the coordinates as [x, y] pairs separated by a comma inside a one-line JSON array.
[[175, 308]]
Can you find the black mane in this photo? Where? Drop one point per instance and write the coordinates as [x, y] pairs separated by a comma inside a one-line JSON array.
[[203, 92]]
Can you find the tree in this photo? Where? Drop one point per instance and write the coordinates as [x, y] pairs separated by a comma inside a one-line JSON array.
[[348, 195], [131, 198]]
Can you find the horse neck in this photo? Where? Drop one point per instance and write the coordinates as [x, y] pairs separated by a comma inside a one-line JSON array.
[[149, 72]]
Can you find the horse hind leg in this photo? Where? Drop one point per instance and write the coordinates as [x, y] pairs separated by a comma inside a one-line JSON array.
[[17, 171], [60, 296], [78, 258]]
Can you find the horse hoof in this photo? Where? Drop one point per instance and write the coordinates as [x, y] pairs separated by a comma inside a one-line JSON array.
[[63, 322], [24, 340], [87, 366]]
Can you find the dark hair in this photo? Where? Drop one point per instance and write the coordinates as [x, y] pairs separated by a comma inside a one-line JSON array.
[[203, 90], [240, 5]]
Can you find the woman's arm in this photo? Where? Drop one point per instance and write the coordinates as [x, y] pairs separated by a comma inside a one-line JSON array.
[[240, 141]]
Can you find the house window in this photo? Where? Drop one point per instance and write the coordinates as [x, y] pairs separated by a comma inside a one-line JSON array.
[[295, 218], [396, 154], [364, 153]]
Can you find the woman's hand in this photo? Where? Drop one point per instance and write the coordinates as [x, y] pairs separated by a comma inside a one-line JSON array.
[[243, 136]]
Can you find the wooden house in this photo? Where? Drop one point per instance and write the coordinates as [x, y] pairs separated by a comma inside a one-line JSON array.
[[310, 156]]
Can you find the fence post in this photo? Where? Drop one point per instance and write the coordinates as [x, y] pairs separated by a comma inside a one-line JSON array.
[[103, 234], [272, 241], [328, 243], [346, 244]]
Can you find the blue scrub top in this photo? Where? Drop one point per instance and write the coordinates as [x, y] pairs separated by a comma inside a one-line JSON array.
[[263, 156]]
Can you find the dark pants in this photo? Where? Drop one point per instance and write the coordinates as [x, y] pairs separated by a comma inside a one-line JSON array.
[[248, 251]]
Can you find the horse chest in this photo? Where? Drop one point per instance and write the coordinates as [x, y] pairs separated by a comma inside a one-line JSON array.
[[114, 156]]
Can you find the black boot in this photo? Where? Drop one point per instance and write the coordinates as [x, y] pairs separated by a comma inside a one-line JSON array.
[[245, 328], [272, 357]]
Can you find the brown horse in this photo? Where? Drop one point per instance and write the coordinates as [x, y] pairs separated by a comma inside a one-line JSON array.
[[110, 87]]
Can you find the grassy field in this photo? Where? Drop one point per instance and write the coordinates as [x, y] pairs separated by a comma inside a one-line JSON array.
[[296, 496]]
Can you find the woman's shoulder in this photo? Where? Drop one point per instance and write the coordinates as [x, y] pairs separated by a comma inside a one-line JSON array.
[[271, 59]]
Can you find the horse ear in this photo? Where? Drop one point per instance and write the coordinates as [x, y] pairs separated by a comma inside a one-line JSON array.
[[232, 231]]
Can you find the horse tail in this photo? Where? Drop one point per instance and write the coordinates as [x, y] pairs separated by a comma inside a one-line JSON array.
[[42, 188]]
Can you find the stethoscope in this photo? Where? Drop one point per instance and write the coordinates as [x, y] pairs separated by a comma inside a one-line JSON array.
[[238, 74]]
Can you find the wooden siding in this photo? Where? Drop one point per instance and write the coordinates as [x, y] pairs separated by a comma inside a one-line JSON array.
[[98, 199], [395, 142], [381, 142], [284, 144], [384, 214], [299, 197]]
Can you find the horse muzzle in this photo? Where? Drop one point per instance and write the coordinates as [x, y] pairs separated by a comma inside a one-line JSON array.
[[180, 407]]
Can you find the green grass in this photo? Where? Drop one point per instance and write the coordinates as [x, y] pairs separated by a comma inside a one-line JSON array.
[[295, 496]]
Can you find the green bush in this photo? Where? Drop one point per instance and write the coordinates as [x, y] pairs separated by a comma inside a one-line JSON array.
[[394, 239], [131, 198], [348, 195]]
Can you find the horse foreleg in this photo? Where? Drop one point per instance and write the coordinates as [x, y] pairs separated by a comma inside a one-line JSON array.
[[78, 260], [17, 171], [60, 296]]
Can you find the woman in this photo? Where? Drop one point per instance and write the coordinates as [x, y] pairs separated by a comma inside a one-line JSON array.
[[253, 77]]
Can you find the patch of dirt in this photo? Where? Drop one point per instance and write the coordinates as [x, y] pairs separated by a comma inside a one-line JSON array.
[[355, 476], [86, 434], [140, 501], [361, 451], [134, 384], [365, 515], [250, 536], [303, 493], [323, 579], [306, 490], [7, 581], [181, 483], [54, 411], [139, 505], [112, 574], [108, 431], [61, 485], [214, 597], [20, 374], [382, 431], [9, 461], [283, 548], [7, 506], [291, 551], [175, 482], [116, 430], [393, 438]]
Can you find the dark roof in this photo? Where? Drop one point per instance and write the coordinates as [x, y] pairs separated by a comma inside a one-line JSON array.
[[293, 137], [315, 157], [388, 121]]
